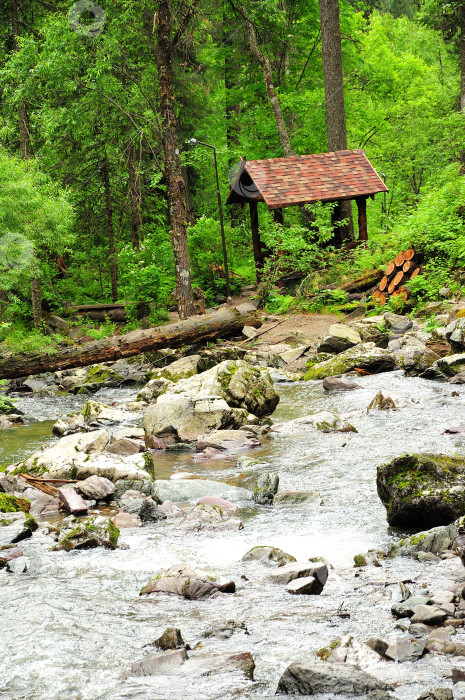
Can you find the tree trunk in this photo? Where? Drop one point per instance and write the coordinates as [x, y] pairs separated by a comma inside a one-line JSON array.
[[232, 106], [134, 196], [462, 78], [110, 229], [334, 101], [173, 172], [265, 63], [36, 301], [219, 324]]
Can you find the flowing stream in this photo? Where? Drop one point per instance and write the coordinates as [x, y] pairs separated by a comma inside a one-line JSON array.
[[74, 623]]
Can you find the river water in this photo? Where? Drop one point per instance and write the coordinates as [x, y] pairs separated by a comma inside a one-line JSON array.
[[74, 623]]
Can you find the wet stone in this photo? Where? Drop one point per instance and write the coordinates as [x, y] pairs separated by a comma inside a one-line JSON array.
[[170, 639], [406, 650], [268, 555], [224, 630], [428, 614], [160, 663], [405, 609]]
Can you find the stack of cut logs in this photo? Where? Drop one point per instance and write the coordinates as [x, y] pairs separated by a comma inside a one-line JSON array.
[[400, 271]]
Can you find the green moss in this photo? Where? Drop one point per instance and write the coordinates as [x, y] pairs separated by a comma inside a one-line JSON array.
[[113, 534], [34, 470], [359, 560], [149, 465], [99, 375], [11, 504], [31, 524], [72, 473]]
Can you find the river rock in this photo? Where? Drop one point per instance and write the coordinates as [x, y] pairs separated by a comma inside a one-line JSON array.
[[289, 572], [148, 511], [85, 534], [268, 555], [297, 497], [123, 519], [209, 517], [455, 334], [428, 615], [183, 368], [125, 447], [325, 421], [214, 356], [71, 501], [308, 585], [170, 639], [159, 663], [41, 503], [97, 488], [308, 677], [239, 384], [437, 694], [7, 555], [143, 486], [153, 389], [365, 356], [60, 456], [436, 541], [337, 384], [218, 502], [406, 650], [398, 325], [193, 584], [406, 608], [340, 337], [186, 416], [190, 490], [224, 630], [15, 527], [381, 403], [208, 664], [350, 650], [230, 440], [422, 490], [265, 489], [169, 509]]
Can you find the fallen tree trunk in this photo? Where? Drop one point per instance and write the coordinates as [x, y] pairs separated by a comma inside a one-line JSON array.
[[364, 282], [219, 324]]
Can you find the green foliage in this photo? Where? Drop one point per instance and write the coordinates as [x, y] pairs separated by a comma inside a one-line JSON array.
[[21, 338], [4, 403]]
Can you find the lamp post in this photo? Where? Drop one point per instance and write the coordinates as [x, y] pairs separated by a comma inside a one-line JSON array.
[[194, 142]]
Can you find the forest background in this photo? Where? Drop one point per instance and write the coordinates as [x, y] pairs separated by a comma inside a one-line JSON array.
[[85, 213]]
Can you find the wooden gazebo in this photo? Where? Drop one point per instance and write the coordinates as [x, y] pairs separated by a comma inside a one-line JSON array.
[[299, 180]]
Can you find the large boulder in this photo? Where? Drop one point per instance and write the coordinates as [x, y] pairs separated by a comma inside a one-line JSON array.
[[239, 384], [422, 491], [340, 337], [205, 516], [365, 356], [186, 416], [308, 677], [194, 584], [62, 455]]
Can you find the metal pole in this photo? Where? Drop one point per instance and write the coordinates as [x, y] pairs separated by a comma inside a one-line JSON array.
[[223, 237], [220, 208]]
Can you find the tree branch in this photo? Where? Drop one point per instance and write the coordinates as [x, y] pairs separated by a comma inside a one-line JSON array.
[[184, 23]]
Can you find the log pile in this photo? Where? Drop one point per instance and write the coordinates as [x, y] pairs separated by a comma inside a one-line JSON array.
[[405, 267]]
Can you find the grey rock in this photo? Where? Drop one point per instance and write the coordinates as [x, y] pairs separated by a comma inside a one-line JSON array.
[[287, 573], [193, 584], [159, 663], [406, 650], [340, 337], [144, 486], [297, 497], [125, 447], [209, 517], [97, 488], [378, 645], [170, 639], [406, 609], [268, 555], [307, 585], [438, 694], [338, 384], [428, 615], [308, 677], [364, 356], [435, 541], [224, 630], [265, 489], [190, 490], [398, 325]]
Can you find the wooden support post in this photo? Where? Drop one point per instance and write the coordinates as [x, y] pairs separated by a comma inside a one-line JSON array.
[[257, 244], [278, 216], [362, 218]]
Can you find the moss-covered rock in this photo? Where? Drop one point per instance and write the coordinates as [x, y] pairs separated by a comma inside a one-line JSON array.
[[11, 504], [86, 534], [436, 541], [365, 356], [422, 491], [99, 374]]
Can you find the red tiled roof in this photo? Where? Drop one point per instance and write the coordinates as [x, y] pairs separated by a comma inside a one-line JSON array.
[[321, 177]]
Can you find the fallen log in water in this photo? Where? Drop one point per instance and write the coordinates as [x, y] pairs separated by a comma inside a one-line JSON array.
[[219, 324]]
